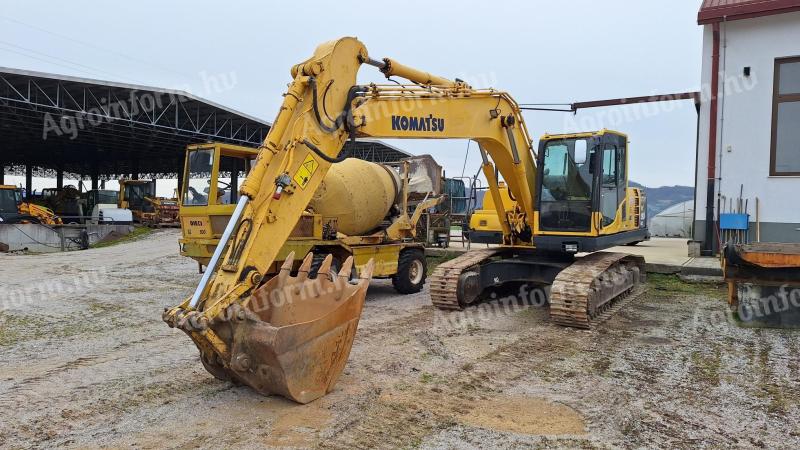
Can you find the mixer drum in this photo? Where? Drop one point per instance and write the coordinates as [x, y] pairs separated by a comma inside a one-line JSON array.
[[358, 193]]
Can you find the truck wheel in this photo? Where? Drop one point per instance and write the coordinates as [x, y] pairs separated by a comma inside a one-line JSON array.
[[316, 263], [411, 271]]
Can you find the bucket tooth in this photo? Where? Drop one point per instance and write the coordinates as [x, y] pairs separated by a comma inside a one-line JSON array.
[[305, 268], [293, 336], [325, 267], [286, 269], [347, 269]]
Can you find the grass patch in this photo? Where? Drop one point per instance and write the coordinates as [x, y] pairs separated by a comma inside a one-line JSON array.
[[136, 234], [434, 261], [13, 328], [673, 285], [778, 405], [99, 318], [707, 367]]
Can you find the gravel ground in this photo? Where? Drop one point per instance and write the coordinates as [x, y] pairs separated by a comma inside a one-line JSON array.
[[85, 361]]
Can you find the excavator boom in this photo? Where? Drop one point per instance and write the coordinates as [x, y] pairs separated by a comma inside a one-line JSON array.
[[311, 322]]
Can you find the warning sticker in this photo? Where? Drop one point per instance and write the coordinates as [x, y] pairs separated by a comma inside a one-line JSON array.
[[306, 171]]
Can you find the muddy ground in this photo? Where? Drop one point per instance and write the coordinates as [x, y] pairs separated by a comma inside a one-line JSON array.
[[85, 361]]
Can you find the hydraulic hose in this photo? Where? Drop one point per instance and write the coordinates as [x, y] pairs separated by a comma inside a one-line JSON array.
[[319, 153]]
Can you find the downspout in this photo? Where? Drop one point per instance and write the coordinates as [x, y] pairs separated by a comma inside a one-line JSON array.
[[721, 133], [708, 242], [697, 105]]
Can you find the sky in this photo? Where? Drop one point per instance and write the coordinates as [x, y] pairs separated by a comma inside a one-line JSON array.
[[238, 53]]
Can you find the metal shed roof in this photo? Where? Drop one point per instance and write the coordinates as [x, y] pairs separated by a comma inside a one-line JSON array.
[[719, 10], [85, 126]]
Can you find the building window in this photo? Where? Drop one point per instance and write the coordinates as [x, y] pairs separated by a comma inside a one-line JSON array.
[[785, 153]]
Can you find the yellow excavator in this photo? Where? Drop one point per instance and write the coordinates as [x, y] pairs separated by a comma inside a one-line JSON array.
[[291, 335], [14, 210], [484, 223]]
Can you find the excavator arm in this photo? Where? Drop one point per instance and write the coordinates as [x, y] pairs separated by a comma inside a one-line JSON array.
[[292, 335]]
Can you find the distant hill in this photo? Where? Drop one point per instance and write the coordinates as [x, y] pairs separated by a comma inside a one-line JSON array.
[[661, 198], [658, 199]]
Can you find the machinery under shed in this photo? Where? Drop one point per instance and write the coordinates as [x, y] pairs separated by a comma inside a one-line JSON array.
[[61, 126]]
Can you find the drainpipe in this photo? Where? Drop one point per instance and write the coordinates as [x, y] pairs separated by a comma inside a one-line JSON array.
[[708, 242]]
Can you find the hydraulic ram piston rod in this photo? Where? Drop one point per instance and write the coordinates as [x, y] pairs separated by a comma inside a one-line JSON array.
[[223, 242]]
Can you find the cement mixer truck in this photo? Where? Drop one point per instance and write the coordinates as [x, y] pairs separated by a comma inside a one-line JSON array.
[[361, 209]]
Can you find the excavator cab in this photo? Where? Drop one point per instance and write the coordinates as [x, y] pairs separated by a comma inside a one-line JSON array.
[[584, 203]]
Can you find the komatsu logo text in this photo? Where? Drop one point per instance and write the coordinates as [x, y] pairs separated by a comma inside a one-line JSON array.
[[429, 123]]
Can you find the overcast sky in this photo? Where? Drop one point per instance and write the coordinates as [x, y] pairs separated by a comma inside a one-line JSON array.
[[238, 53]]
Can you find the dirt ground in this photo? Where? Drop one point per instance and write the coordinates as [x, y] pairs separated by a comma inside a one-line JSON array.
[[85, 361]]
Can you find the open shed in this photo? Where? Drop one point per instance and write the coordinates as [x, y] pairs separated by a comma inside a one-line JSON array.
[[60, 126]]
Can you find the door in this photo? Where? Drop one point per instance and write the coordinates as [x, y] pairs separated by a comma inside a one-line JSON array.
[[610, 184]]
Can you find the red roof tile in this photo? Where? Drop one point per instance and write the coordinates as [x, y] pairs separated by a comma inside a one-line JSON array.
[[717, 10]]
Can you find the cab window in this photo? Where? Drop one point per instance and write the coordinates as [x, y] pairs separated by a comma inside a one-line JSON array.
[[610, 166], [198, 177]]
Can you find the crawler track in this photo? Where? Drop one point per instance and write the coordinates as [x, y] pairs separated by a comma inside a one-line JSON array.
[[444, 280], [587, 291]]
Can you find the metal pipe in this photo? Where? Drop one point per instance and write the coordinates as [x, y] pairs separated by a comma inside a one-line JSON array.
[[223, 242], [758, 220]]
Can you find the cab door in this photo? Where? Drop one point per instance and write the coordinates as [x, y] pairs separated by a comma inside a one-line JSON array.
[[610, 182]]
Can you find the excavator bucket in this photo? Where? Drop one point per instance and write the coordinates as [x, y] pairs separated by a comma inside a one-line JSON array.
[[293, 336]]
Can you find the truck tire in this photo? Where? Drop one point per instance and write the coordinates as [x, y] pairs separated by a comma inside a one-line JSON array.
[[316, 263], [411, 271]]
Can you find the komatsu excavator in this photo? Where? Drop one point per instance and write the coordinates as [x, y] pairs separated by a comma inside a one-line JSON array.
[[290, 334]]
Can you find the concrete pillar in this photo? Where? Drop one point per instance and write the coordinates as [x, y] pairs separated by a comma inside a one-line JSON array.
[[2, 174], [60, 177], [94, 174], [180, 176], [102, 184], [28, 180]]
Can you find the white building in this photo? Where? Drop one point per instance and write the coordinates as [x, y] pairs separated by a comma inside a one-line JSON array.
[[749, 134]]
